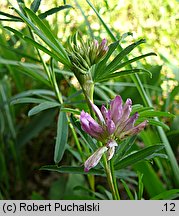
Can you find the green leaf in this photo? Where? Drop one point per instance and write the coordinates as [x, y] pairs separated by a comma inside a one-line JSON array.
[[122, 73], [153, 122], [119, 66], [10, 16], [140, 109], [45, 34], [49, 35], [34, 43], [43, 106], [53, 10], [156, 113], [151, 180], [18, 33], [167, 195], [157, 155], [124, 147], [74, 111], [38, 92], [27, 100], [111, 67], [35, 5], [4, 90], [71, 169], [99, 68], [129, 193], [96, 194], [39, 46], [140, 185], [62, 135], [137, 156]]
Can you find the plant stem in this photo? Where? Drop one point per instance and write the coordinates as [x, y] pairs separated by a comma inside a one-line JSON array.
[[109, 178], [114, 179]]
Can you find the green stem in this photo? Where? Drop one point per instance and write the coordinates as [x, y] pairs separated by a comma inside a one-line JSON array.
[[114, 179], [109, 178], [76, 140]]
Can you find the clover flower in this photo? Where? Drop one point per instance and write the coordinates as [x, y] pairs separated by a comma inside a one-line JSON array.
[[113, 123]]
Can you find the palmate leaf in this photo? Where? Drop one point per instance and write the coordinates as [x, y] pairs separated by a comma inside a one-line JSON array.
[[123, 54], [137, 156], [102, 72]]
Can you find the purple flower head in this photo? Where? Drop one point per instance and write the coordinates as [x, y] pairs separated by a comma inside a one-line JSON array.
[[113, 123]]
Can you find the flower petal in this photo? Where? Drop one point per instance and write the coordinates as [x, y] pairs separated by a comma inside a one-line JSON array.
[[134, 130], [110, 126], [111, 143], [94, 159], [110, 153], [127, 108], [116, 109], [98, 112], [104, 111], [130, 122], [90, 126]]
